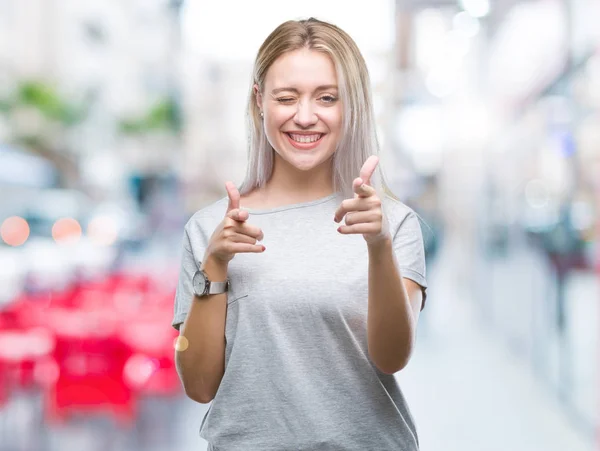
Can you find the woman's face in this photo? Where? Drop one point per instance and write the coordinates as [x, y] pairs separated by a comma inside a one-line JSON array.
[[301, 106]]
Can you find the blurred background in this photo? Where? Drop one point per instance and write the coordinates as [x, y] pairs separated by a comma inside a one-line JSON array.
[[121, 118]]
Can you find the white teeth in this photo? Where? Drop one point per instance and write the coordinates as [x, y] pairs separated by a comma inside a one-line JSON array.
[[305, 138]]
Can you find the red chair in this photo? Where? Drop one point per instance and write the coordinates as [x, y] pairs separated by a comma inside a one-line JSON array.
[[91, 359], [21, 350], [151, 369], [3, 385]]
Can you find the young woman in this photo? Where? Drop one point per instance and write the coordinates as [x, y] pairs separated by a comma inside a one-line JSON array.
[[296, 341]]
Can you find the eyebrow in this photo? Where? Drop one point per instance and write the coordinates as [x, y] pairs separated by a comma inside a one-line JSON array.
[[320, 88]]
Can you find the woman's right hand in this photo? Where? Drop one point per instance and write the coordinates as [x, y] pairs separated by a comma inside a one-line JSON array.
[[233, 235]]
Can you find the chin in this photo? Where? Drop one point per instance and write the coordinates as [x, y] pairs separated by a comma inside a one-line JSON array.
[[307, 162], [305, 168]]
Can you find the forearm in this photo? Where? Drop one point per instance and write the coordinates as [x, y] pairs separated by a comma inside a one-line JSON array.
[[390, 325], [200, 356]]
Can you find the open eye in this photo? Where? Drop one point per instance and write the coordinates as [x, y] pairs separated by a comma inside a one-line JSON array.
[[328, 99]]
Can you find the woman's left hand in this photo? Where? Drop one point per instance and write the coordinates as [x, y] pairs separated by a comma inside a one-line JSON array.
[[364, 213]]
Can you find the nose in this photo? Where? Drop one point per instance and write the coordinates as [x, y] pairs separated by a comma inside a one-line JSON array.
[[305, 115]]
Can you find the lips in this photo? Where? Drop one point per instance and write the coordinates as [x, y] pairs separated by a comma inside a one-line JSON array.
[[305, 138], [312, 140]]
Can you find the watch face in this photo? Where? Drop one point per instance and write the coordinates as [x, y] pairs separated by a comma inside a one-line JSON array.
[[199, 283]]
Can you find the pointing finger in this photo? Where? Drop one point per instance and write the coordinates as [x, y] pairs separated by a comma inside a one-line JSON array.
[[368, 168], [234, 196]]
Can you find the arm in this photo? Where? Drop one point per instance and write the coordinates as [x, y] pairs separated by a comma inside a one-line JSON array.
[[394, 301], [393, 312], [200, 354]]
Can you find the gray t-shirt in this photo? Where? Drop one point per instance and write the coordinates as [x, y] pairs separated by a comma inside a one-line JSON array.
[[297, 370]]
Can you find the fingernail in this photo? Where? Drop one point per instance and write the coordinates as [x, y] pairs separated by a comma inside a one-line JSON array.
[[264, 248]]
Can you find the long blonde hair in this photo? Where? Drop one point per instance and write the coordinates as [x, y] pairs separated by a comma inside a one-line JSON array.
[[359, 137]]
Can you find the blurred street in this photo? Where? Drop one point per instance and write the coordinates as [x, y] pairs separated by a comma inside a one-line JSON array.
[[466, 383], [121, 119], [470, 390]]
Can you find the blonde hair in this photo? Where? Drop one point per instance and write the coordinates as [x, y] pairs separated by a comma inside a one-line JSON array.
[[358, 138]]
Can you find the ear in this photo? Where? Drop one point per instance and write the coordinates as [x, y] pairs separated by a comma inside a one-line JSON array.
[[258, 96]]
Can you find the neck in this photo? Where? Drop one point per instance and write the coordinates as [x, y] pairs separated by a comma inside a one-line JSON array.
[[287, 181]]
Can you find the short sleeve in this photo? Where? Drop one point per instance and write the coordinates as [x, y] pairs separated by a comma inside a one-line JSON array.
[[184, 292], [410, 251]]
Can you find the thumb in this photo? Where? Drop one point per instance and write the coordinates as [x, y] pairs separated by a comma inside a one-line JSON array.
[[234, 196]]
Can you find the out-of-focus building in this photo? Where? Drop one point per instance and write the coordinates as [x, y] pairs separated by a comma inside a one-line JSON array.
[[117, 59], [498, 101]]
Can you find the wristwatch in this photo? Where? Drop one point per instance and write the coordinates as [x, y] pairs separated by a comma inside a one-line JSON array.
[[203, 286]]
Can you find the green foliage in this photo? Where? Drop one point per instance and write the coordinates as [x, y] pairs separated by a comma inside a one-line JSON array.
[[45, 99], [30, 142], [163, 116]]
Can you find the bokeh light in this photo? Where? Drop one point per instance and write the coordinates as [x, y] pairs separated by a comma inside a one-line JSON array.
[[66, 230], [138, 370], [181, 343], [14, 231], [476, 8], [102, 230]]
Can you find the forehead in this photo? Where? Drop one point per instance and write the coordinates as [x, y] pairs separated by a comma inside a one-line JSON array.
[[301, 69]]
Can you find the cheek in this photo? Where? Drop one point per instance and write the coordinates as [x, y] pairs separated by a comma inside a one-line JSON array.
[[272, 125], [276, 120], [334, 119]]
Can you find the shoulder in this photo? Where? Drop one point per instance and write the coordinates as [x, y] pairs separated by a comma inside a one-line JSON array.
[[203, 221], [397, 211]]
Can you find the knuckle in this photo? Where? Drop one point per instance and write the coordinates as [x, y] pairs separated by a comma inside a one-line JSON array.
[[247, 232], [248, 239]]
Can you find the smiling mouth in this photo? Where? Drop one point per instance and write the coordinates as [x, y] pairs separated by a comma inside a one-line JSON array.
[[305, 139]]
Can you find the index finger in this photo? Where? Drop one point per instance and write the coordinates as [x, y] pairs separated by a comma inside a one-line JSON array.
[[368, 169], [234, 196]]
